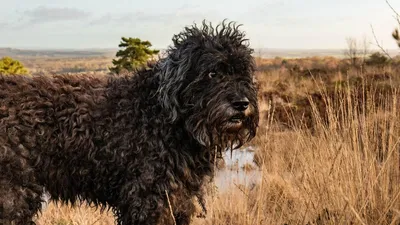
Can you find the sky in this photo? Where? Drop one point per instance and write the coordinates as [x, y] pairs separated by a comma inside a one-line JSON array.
[[284, 24]]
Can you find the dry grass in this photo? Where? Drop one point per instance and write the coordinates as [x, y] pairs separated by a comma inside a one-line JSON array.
[[346, 171], [56, 214], [336, 160]]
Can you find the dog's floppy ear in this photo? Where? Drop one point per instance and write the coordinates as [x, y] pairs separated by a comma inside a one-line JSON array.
[[174, 70], [172, 77]]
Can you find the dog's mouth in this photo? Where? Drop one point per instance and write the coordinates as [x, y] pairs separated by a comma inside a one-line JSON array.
[[237, 119], [235, 122]]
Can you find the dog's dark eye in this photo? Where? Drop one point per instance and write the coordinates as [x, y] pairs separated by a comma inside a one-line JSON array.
[[212, 75]]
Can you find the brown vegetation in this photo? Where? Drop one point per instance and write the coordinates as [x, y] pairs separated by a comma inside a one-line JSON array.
[[41, 66]]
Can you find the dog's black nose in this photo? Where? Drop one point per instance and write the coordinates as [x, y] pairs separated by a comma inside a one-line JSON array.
[[241, 104]]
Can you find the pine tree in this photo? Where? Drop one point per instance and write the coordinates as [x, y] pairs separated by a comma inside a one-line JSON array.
[[396, 36], [135, 54], [396, 32], [10, 66]]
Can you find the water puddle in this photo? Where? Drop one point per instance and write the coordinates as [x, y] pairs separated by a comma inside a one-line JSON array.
[[239, 170]]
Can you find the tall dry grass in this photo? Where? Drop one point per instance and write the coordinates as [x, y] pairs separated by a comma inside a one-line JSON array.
[[344, 169], [57, 214]]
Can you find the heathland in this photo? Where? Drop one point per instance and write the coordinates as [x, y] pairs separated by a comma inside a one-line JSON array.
[[327, 149]]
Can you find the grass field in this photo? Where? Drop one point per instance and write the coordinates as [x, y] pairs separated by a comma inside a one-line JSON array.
[[327, 152]]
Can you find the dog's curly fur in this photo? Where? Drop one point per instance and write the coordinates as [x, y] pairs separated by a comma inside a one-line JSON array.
[[142, 144]]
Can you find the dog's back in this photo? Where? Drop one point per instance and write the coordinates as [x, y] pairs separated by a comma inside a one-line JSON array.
[[45, 124], [34, 110]]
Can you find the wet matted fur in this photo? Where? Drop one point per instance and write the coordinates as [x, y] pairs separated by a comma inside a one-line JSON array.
[[132, 143]]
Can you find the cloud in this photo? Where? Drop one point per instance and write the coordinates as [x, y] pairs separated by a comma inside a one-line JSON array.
[[3, 25], [129, 18], [124, 18], [44, 14], [142, 17], [102, 20], [168, 17]]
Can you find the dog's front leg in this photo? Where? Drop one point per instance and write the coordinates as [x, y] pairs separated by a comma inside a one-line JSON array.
[[140, 208]]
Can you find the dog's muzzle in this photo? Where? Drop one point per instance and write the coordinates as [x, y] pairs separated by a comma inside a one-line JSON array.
[[237, 115]]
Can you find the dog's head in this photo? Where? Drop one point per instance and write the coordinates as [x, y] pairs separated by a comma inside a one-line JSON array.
[[207, 84]]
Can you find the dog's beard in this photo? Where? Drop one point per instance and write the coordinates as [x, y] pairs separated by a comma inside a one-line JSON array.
[[223, 127]]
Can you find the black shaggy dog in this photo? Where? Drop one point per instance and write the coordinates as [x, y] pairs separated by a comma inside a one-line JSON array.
[[142, 145]]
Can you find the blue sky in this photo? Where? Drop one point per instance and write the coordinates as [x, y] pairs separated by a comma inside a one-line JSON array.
[[300, 24]]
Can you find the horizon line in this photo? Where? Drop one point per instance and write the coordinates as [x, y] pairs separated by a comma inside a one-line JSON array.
[[116, 48]]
